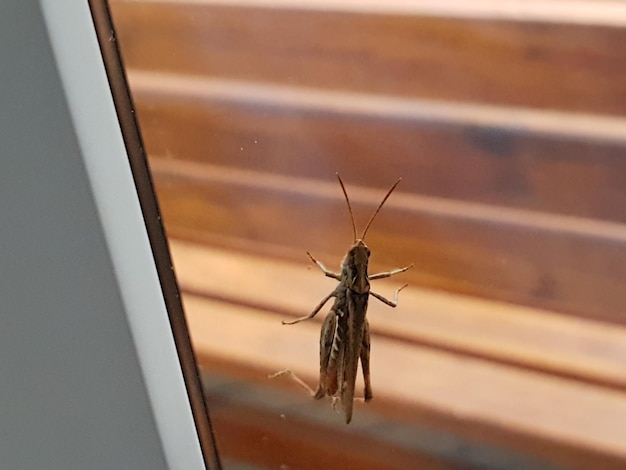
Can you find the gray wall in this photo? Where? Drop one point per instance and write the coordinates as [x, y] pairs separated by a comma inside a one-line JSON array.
[[72, 391]]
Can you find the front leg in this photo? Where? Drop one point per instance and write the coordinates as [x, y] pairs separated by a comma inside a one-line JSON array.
[[313, 313], [324, 269], [389, 273], [393, 303]]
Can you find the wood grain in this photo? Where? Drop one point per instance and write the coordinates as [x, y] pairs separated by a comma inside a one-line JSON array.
[[467, 389], [583, 350], [573, 67], [278, 426], [539, 161], [576, 269], [254, 428], [507, 122]]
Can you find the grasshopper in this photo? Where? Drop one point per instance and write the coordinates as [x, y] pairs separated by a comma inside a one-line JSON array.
[[345, 336]]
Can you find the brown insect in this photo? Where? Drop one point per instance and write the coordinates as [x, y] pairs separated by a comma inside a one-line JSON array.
[[345, 336]]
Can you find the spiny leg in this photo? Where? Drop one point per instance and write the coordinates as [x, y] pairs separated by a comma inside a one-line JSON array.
[[317, 395], [365, 362], [326, 341], [294, 377], [390, 273], [324, 269], [313, 313], [393, 303]]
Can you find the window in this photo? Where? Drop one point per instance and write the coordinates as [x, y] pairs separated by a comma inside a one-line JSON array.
[[507, 349]]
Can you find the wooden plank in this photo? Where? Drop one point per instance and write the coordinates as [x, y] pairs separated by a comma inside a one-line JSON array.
[[540, 161], [272, 289], [569, 65], [559, 412], [268, 427], [567, 265], [597, 12], [251, 427], [539, 340]]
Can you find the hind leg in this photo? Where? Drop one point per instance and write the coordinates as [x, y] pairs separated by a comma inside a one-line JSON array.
[[365, 361]]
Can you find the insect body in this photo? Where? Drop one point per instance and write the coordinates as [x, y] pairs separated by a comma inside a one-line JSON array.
[[345, 336]]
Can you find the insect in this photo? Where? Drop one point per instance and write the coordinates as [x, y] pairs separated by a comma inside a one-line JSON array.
[[345, 335]]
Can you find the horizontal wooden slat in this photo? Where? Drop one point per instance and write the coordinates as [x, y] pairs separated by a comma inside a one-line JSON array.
[[268, 427], [508, 130], [253, 424], [520, 258], [559, 412], [434, 401], [585, 350], [585, 12], [568, 65], [534, 160]]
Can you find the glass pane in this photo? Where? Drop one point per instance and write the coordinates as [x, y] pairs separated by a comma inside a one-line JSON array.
[[507, 129]]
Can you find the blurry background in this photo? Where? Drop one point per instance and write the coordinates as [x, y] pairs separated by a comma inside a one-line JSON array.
[[506, 121]]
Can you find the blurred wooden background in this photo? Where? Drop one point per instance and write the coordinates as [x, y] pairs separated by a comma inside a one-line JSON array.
[[507, 123]]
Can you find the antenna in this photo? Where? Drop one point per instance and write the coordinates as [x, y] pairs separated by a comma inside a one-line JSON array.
[[343, 188], [379, 206]]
